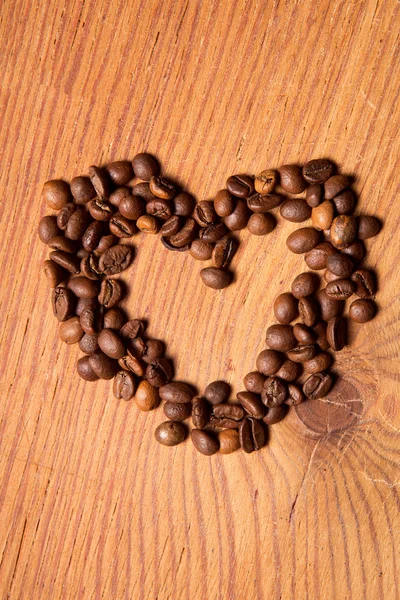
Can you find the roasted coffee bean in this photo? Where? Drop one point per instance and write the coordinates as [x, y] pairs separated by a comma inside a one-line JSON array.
[[367, 227], [111, 344], [308, 310], [159, 372], [171, 226], [170, 433], [137, 347], [289, 371], [76, 224], [223, 252], [238, 219], [329, 307], [113, 319], [252, 404], [90, 268], [104, 366], [56, 193], [130, 363], [162, 188], [115, 259], [295, 210], [304, 285], [83, 287], [319, 363], [340, 264], [303, 240], [217, 392], [362, 310], [146, 397], [121, 227], [145, 166], [204, 442], [48, 229], [153, 349], [328, 276], [320, 332], [201, 250], [167, 243], [132, 329], [317, 385], [177, 412], [85, 370], [318, 170], [364, 282], [261, 223], [120, 172], [110, 292], [252, 435], [275, 414], [304, 335], [336, 334], [314, 195], [132, 207], [295, 395], [89, 321], [85, 303], [88, 343], [177, 392], [82, 190], [343, 231], [65, 214], [285, 308], [259, 203], [317, 258], [66, 261], [204, 213], [228, 441], [100, 181], [340, 289], [214, 278], [265, 182], [229, 411], [54, 273], [62, 243], [143, 191], [147, 224], [291, 179], [223, 422], [92, 235], [302, 353], [118, 195], [241, 186], [334, 185], [106, 242], [254, 381], [159, 208], [124, 385], [186, 234], [281, 338], [274, 392], [70, 331], [356, 251], [322, 215], [224, 203], [344, 202], [183, 204], [213, 232], [201, 412], [100, 210], [269, 361]]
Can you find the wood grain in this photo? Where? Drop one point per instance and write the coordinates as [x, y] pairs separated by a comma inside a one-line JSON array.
[[90, 506]]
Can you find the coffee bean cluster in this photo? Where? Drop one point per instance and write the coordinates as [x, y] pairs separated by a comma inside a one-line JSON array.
[[87, 236]]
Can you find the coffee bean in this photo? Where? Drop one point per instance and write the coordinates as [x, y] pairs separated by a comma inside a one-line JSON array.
[[88, 343], [54, 273], [356, 251], [259, 203], [368, 227], [252, 404], [295, 210], [85, 370], [261, 223], [132, 207], [295, 396], [104, 366], [177, 412], [265, 182], [170, 433], [115, 259], [319, 363], [213, 233], [334, 185], [317, 385], [254, 381], [227, 415], [241, 186], [308, 310], [204, 213], [183, 204], [62, 243], [238, 219], [113, 319], [329, 307], [289, 371], [92, 235], [365, 283], [317, 258], [344, 202], [224, 203], [285, 308], [328, 276], [159, 372], [70, 331], [303, 334], [159, 208], [83, 287], [85, 303], [320, 331], [110, 292], [56, 193], [302, 353], [90, 268], [217, 392], [89, 321], [66, 261], [269, 361], [132, 364], [274, 392], [228, 441], [318, 170], [362, 310], [340, 289], [145, 166], [186, 234], [100, 181], [340, 264], [177, 392], [281, 338], [76, 224], [223, 252], [303, 240], [118, 195], [48, 229], [171, 226], [106, 242], [111, 344], [201, 250], [204, 442], [252, 435], [146, 397], [143, 191], [214, 278], [162, 188], [275, 414], [137, 347], [314, 195], [343, 231], [121, 227], [132, 329], [304, 285], [120, 172], [65, 214], [201, 412], [124, 385], [100, 210], [322, 215], [82, 190], [291, 179], [147, 224]]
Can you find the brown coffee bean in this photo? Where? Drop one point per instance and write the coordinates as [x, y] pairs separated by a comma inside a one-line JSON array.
[[85, 370], [104, 366], [88, 343], [166, 242], [100, 210], [132, 364], [368, 227], [317, 385], [145, 166], [281, 338], [162, 188], [106, 242], [303, 240], [241, 186], [295, 210], [118, 195], [48, 229], [356, 251], [147, 224], [224, 203], [121, 227], [217, 392], [214, 278], [120, 172], [265, 182], [84, 303], [344, 202], [227, 415], [322, 215], [291, 179], [177, 392], [62, 243], [340, 289], [252, 404], [55, 274], [183, 204], [223, 252], [66, 261], [83, 287], [238, 219], [204, 442], [252, 435], [76, 224], [329, 307], [269, 361], [146, 397], [143, 191], [320, 332], [340, 264], [89, 321], [82, 190], [328, 276], [362, 310], [159, 208], [275, 414], [90, 267], [201, 412], [285, 308], [343, 231], [111, 344], [295, 396], [137, 347], [65, 214], [213, 232], [171, 226], [131, 207], [201, 250], [304, 285], [113, 319], [132, 329], [317, 258], [314, 195], [261, 223], [334, 185], [170, 433], [289, 371], [115, 259], [204, 213], [70, 331], [92, 236], [186, 234], [159, 372], [100, 181], [302, 353], [177, 412], [318, 170], [303, 334], [110, 292], [124, 385], [228, 441], [254, 381], [259, 203], [56, 193], [319, 363], [274, 392], [364, 282], [308, 310]]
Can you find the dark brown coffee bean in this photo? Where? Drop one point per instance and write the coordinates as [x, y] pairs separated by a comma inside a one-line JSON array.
[[322, 215], [76, 224], [185, 235], [137, 347], [252, 404], [302, 353], [171, 226], [238, 219], [85, 303], [362, 310], [229, 412], [124, 385], [118, 195], [170, 433], [201, 250], [304, 285], [314, 195], [340, 264], [285, 308], [213, 233], [167, 243], [254, 381], [340, 289], [162, 188], [291, 179], [104, 366], [115, 259], [183, 204], [85, 370], [224, 203], [56, 193], [261, 223], [146, 397], [201, 412], [111, 344], [289, 371], [83, 287], [334, 185], [100, 210], [319, 363], [320, 331], [65, 214], [92, 235], [214, 278], [88, 343], [54, 273], [317, 385], [132, 207], [317, 258], [281, 338], [204, 213], [364, 282], [269, 361], [177, 412], [120, 172], [100, 181], [145, 166], [228, 441], [259, 203], [113, 319], [295, 396], [295, 210], [343, 231], [318, 170], [304, 335], [265, 182], [303, 240], [90, 268], [154, 349], [89, 321], [204, 442], [159, 372], [70, 331], [328, 276], [132, 329], [308, 310], [329, 307], [367, 227], [274, 392], [223, 252], [48, 229], [344, 202], [177, 392], [82, 190], [62, 243], [241, 186], [143, 191], [275, 414], [110, 292], [121, 227], [132, 364], [106, 242], [217, 392], [66, 261], [159, 208], [252, 435], [356, 251]]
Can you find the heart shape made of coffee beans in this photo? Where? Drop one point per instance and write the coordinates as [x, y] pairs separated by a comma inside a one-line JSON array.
[[114, 202]]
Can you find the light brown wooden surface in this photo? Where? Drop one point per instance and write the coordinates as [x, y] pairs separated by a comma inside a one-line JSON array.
[[91, 507]]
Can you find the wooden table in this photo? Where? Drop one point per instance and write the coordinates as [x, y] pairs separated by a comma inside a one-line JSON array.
[[91, 506]]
